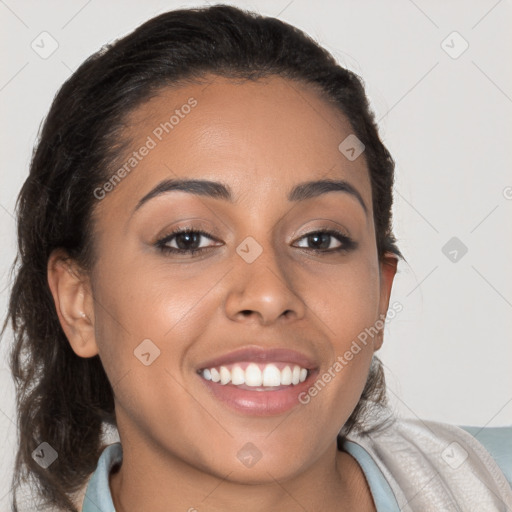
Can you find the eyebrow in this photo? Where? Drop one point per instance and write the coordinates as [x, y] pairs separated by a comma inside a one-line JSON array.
[[217, 190]]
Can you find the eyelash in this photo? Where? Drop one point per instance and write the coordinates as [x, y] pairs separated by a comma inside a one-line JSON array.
[[347, 244]]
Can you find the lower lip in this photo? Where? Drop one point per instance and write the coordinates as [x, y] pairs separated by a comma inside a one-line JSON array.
[[259, 403]]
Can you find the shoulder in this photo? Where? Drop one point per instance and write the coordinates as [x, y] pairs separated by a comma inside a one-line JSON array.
[[498, 442], [495, 442], [434, 463], [491, 445]]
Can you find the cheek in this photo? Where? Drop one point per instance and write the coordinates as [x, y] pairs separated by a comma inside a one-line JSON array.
[[346, 299], [157, 302], [347, 303]]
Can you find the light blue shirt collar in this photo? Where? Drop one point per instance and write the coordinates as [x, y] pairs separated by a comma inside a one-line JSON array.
[[98, 497]]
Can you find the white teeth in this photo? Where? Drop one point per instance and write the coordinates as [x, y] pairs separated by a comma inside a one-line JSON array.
[[253, 375], [215, 375], [296, 375], [225, 375], [268, 375], [237, 376], [271, 376], [286, 376]]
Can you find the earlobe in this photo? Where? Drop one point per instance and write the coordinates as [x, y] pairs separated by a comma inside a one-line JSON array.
[[388, 268], [71, 293]]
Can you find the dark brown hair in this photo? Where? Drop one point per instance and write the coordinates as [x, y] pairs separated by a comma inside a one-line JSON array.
[[64, 399]]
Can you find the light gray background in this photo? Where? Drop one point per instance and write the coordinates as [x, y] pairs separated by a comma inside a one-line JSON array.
[[446, 121]]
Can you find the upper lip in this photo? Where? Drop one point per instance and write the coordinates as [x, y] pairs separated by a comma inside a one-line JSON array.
[[260, 354]]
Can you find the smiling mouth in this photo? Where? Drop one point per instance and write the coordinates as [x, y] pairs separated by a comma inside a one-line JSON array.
[[256, 376]]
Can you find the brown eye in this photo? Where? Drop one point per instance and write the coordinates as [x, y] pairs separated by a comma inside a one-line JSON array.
[[187, 241], [184, 241], [320, 241], [327, 241]]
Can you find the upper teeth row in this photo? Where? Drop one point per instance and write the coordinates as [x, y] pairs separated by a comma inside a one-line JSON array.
[[254, 376]]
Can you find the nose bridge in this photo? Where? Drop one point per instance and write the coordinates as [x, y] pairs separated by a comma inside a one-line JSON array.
[[261, 283]]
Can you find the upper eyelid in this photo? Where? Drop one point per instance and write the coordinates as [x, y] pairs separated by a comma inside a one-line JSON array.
[[328, 229]]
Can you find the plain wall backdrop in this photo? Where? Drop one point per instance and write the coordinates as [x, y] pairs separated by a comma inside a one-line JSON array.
[[440, 83]]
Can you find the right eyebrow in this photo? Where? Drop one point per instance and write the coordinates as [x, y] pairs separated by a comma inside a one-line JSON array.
[[207, 188]]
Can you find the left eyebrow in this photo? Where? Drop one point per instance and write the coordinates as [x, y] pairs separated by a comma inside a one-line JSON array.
[[311, 189], [217, 190]]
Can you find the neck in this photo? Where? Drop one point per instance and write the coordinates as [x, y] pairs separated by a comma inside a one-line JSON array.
[[148, 480]]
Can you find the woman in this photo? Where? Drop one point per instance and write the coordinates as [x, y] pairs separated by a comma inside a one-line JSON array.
[[206, 260]]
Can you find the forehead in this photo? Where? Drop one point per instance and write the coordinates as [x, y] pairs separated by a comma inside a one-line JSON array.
[[259, 137]]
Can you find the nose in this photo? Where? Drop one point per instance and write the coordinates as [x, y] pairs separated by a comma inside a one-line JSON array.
[[262, 291]]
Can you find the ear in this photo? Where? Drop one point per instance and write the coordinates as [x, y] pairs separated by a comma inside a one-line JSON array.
[[71, 291], [388, 268]]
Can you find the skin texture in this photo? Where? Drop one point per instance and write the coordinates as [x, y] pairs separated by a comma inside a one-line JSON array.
[[180, 444]]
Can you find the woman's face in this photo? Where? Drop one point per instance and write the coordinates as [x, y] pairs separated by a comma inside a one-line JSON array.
[[257, 284]]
